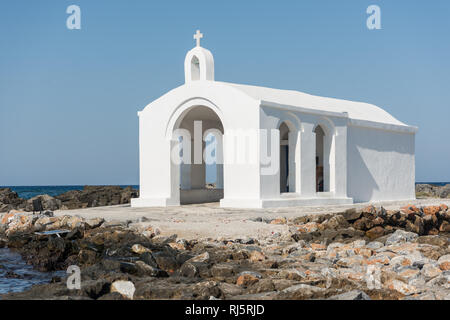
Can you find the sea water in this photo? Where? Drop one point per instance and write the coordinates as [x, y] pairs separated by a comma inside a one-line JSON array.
[[17, 276], [27, 192]]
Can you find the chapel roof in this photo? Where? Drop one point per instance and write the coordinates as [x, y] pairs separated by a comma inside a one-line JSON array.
[[356, 110]]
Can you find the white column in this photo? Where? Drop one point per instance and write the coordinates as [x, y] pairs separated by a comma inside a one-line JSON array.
[[185, 176], [198, 172], [174, 177], [340, 166], [308, 160], [219, 175], [294, 162]]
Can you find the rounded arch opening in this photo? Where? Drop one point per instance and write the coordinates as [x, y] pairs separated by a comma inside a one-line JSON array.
[[324, 155], [195, 68], [320, 161], [287, 167], [200, 151]]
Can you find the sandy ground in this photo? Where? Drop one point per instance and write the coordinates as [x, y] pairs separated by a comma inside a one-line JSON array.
[[210, 221]]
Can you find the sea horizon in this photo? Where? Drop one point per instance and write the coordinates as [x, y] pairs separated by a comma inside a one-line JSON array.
[[28, 192]]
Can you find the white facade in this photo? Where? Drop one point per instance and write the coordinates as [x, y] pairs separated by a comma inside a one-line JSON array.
[[279, 147]]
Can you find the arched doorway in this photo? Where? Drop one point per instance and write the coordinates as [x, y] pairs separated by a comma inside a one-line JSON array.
[[284, 158], [199, 131]]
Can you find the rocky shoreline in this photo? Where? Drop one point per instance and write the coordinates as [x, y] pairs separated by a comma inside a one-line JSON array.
[[90, 196], [432, 191], [98, 196], [371, 253]]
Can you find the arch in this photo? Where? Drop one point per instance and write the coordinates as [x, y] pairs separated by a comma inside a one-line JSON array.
[[324, 131], [198, 60], [182, 109], [195, 68], [291, 120], [290, 166], [326, 124], [284, 157], [190, 185]]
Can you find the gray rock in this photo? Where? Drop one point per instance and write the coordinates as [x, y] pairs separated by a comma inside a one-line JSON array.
[[125, 288], [257, 296], [94, 222], [48, 203], [351, 214], [300, 291], [351, 295], [252, 273], [444, 258], [223, 270], [230, 289], [401, 236], [145, 269], [374, 245]]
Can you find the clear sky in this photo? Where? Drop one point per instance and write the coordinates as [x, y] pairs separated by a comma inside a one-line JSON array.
[[68, 98]]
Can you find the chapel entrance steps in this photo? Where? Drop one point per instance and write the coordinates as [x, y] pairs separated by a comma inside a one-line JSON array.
[[291, 199], [290, 195], [197, 196]]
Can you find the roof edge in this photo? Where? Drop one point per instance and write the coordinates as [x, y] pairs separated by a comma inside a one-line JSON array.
[[351, 121]]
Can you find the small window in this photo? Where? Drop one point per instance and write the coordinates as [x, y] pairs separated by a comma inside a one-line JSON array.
[[195, 68]]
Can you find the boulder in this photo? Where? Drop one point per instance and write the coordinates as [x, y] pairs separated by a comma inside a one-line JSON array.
[[125, 288], [401, 287], [428, 190], [351, 214], [363, 224], [48, 203], [375, 233], [401, 236], [95, 196], [444, 262], [246, 280], [430, 271], [335, 222], [223, 270], [10, 200], [147, 270], [204, 257], [139, 249], [94, 222], [256, 256], [351, 295]]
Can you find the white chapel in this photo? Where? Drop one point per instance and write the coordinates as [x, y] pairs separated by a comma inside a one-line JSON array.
[[268, 147]]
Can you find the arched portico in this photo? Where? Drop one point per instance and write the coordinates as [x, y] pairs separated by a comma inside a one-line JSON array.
[[194, 155]]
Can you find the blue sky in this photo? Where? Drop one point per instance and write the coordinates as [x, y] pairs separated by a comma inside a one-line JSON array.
[[68, 98]]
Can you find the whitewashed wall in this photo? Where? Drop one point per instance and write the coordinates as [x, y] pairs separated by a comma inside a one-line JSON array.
[[159, 177], [381, 164]]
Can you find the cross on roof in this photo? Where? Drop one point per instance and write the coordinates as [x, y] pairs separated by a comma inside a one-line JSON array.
[[197, 37]]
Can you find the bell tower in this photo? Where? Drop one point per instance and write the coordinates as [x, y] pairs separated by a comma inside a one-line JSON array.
[[199, 62]]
